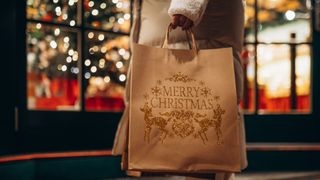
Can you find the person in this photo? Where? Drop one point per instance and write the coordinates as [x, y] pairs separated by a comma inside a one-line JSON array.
[[215, 23]]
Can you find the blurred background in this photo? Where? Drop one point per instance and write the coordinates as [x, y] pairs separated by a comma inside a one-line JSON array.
[[64, 66]]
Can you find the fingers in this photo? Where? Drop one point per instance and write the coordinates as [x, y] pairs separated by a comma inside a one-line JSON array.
[[181, 21], [187, 25], [175, 21]]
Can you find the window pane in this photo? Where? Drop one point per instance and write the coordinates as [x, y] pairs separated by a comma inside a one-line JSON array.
[[248, 57], [303, 77], [249, 21], [52, 68], [58, 11], [278, 19], [106, 64], [111, 15], [274, 78]]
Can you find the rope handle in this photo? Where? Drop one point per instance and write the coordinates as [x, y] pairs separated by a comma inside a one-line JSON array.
[[189, 34]]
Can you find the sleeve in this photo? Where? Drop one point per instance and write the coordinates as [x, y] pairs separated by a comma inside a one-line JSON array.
[[193, 9]]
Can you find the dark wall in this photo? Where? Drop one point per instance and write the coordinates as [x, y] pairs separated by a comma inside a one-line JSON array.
[[7, 78]]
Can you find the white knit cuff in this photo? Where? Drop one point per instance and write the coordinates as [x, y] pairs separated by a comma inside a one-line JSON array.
[[192, 9]]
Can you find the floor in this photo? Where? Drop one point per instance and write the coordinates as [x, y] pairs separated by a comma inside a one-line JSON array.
[[252, 176]]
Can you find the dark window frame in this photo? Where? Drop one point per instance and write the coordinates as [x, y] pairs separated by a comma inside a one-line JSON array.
[[292, 126]]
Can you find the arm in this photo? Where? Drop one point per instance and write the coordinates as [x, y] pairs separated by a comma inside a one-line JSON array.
[[186, 13]]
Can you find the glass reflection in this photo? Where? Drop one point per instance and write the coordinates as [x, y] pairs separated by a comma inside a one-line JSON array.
[[303, 76], [111, 15], [278, 19], [58, 11], [249, 21], [52, 70], [106, 65], [274, 78]]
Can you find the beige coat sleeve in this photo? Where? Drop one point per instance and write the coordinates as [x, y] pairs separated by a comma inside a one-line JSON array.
[[193, 9]]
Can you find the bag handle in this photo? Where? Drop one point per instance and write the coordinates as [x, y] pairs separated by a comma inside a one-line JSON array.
[[189, 34]]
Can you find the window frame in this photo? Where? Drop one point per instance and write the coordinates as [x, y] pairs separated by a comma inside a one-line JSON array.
[[37, 129], [293, 126]]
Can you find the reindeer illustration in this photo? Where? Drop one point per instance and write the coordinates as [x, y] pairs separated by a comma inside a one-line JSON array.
[[150, 121], [206, 123], [217, 115], [204, 126]]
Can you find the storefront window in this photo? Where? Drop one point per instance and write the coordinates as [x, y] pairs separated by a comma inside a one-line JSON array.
[[106, 64], [278, 19], [56, 11], [108, 14], [73, 65], [52, 67], [280, 32]]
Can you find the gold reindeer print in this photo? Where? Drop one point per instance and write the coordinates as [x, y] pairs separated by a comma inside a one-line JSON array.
[[150, 121]]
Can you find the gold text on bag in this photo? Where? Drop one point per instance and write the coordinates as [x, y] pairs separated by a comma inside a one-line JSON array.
[[179, 111]]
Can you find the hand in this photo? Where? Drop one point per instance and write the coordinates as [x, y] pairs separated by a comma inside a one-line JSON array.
[[182, 21]]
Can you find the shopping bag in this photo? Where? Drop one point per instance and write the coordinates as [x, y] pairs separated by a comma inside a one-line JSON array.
[[183, 110]]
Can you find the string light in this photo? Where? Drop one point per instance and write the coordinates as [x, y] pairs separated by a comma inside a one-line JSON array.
[[103, 5], [58, 9], [290, 15], [87, 62], [72, 22], [91, 4], [120, 20], [103, 49], [66, 45], [38, 26], [58, 13], [75, 56], [127, 16], [101, 37], [53, 44], [106, 79], [102, 63], [87, 75], [90, 35], [71, 2], [59, 67], [34, 41], [71, 52], [115, 1], [94, 12], [126, 56], [64, 68], [119, 5], [91, 51], [75, 70], [122, 51], [55, 1], [112, 19], [68, 59], [122, 77], [57, 31], [66, 39], [119, 64], [65, 16], [95, 48], [93, 69]]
